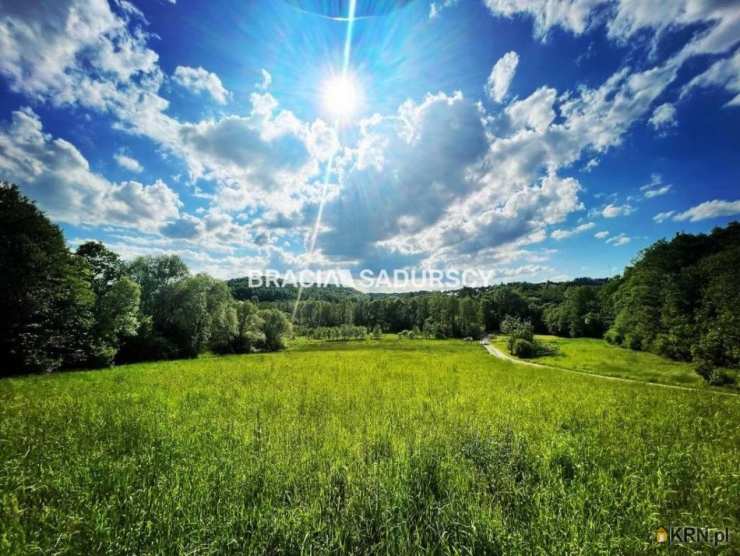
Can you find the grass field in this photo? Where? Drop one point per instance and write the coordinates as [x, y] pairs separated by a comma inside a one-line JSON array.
[[377, 446], [590, 355]]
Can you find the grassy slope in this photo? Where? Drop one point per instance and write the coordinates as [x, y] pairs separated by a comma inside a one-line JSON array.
[[599, 357], [388, 446]]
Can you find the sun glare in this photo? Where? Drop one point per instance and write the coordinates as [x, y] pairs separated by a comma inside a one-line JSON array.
[[341, 96]]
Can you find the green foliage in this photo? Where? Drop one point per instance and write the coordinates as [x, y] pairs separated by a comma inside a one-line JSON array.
[[117, 299], [154, 275], [578, 315], [106, 266], [680, 300], [385, 447], [340, 333], [46, 301], [276, 327], [591, 355], [249, 334], [523, 348]]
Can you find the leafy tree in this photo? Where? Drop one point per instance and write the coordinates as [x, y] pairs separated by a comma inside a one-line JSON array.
[[106, 266], [116, 317], [154, 274], [116, 302], [276, 328], [45, 297], [249, 332], [191, 310]]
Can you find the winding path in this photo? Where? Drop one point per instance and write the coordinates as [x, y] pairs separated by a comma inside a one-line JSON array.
[[493, 350]]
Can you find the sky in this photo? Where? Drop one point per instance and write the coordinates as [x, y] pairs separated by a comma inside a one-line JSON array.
[[533, 140]]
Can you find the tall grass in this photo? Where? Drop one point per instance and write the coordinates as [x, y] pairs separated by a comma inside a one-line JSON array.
[[384, 447]]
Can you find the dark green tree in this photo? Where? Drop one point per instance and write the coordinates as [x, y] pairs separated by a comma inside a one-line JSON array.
[[45, 295]]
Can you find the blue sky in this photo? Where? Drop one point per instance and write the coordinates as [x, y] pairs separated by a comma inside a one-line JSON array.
[[538, 140]]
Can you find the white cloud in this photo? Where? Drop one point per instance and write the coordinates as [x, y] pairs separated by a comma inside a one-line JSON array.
[[128, 162], [613, 211], [266, 80], [719, 24], [566, 233], [53, 172], [619, 240], [709, 209], [266, 157], [723, 73], [601, 235], [436, 7], [573, 15], [664, 116], [200, 80], [501, 75], [73, 51], [657, 192], [663, 216], [534, 112], [655, 188]]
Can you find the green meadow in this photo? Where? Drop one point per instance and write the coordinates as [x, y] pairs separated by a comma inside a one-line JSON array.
[[591, 355], [389, 446]]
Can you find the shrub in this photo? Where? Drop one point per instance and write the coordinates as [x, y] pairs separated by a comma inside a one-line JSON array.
[[523, 348]]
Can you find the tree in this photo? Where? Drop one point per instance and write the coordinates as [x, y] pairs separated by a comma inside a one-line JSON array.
[[249, 332], [117, 300], [154, 274], [116, 317], [189, 309], [106, 266], [276, 328], [45, 298]]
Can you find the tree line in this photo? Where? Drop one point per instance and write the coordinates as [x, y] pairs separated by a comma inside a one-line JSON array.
[[680, 299], [88, 308]]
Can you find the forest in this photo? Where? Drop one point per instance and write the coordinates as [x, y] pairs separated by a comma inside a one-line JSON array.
[[88, 308]]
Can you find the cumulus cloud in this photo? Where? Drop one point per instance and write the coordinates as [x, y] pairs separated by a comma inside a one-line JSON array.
[[613, 211], [199, 80], [573, 15], [268, 156], [53, 172], [48, 54], [719, 21], [664, 116], [501, 76], [128, 162], [601, 235], [709, 209], [534, 112], [409, 167], [566, 233]]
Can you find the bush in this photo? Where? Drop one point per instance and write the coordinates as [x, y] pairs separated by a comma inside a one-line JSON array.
[[721, 377], [523, 348], [714, 376]]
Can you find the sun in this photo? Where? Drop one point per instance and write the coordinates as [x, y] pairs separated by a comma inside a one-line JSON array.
[[341, 96]]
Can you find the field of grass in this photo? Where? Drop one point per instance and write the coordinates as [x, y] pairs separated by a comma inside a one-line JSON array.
[[374, 447], [595, 356]]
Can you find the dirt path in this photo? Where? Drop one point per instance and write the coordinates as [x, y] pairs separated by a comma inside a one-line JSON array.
[[493, 350]]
